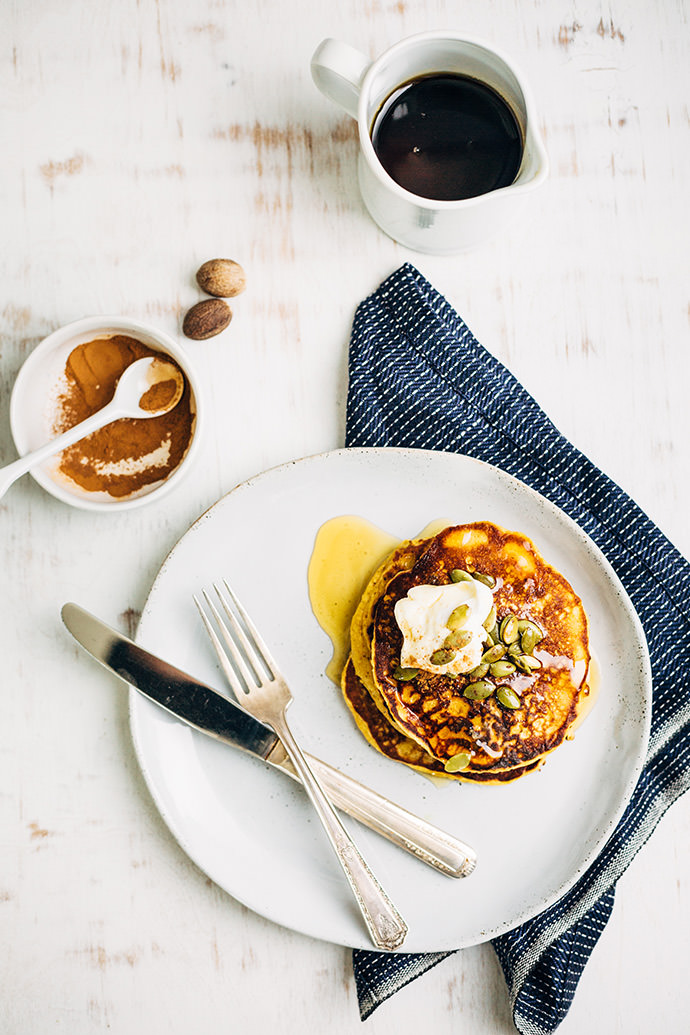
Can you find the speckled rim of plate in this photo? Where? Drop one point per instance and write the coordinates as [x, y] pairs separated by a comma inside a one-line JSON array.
[[290, 878]]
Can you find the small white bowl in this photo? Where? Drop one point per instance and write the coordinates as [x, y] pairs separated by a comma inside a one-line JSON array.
[[34, 397]]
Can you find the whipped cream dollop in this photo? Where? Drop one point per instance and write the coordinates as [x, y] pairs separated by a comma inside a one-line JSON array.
[[422, 616]]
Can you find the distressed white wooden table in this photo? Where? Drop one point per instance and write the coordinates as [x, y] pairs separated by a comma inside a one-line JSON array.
[[140, 139]]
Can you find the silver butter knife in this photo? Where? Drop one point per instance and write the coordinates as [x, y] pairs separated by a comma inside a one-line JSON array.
[[211, 713]]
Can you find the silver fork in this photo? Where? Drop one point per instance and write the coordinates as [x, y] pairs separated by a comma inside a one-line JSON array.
[[261, 689]]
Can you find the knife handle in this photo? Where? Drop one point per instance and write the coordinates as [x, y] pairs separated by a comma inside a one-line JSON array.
[[425, 841]]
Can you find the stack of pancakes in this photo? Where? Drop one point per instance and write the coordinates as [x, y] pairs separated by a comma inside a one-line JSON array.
[[429, 720]]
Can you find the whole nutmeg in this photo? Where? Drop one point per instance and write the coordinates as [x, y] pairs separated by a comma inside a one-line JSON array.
[[206, 319], [221, 277]]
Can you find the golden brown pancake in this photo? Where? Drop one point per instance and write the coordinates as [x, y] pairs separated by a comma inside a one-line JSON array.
[[432, 710], [401, 559], [363, 697], [374, 722]]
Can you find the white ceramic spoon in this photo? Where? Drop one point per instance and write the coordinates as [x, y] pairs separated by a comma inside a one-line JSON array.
[[131, 399]]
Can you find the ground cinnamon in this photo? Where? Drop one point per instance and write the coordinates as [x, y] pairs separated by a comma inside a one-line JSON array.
[[129, 453], [159, 395]]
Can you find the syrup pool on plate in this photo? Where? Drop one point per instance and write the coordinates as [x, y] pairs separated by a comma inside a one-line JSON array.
[[347, 551]]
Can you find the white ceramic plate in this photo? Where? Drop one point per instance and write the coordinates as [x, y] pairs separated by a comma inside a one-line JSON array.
[[251, 829]]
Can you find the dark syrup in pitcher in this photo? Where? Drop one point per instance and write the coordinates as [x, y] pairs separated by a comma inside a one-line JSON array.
[[447, 137]]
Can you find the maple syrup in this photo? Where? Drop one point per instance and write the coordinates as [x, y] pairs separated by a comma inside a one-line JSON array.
[[448, 137], [347, 551]]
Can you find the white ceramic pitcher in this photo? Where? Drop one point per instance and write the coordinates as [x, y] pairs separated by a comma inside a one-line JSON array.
[[360, 86]]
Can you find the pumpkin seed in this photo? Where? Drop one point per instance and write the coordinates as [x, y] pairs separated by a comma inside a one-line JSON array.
[[526, 623], [490, 620], [515, 650], [491, 640], [488, 580], [457, 762], [479, 690], [502, 669], [494, 653], [508, 629], [404, 675], [457, 639], [479, 672], [458, 616], [458, 575], [529, 640], [532, 663], [507, 697], [522, 662], [442, 656]]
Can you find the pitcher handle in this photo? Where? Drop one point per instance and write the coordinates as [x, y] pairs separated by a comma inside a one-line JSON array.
[[338, 70]]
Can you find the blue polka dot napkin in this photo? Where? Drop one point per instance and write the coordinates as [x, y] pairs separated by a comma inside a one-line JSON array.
[[418, 378]]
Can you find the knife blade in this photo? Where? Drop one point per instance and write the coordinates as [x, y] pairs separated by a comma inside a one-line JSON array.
[[209, 712]]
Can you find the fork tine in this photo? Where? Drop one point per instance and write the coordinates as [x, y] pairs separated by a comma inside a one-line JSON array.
[[244, 661], [265, 653], [230, 673], [252, 652]]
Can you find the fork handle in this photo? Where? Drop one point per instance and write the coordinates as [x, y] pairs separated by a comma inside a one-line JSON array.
[[428, 843], [384, 923]]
